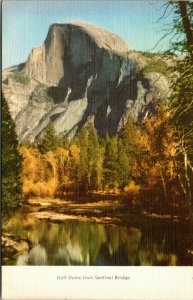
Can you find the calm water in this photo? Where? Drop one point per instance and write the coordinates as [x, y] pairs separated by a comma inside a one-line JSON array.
[[79, 243]]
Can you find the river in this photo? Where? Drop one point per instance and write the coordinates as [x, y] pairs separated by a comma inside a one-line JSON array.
[[97, 233]]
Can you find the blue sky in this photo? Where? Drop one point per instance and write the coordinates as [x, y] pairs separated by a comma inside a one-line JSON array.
[[26, 23]]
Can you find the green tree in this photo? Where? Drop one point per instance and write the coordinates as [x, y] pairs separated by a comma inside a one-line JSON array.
[[73, 166], [11, 162], [82, 141], [182, 28], [124, 166], [131, 143], [110, 164], [50, 140], [95, 159]]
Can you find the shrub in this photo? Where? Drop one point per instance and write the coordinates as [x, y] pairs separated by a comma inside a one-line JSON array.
[[132, 188], [21, 77]]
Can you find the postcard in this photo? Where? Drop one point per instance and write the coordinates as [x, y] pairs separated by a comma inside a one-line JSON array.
[[97, 149]]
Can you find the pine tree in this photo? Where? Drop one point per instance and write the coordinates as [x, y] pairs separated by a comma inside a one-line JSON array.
[[50, 140], [124, 166], [11, 162], [110, 164], [82, 141], [73, 166], [94, 159], [131, 140], [132, 145]]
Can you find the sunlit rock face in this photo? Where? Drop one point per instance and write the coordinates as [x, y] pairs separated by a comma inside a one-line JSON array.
[[80, 73]]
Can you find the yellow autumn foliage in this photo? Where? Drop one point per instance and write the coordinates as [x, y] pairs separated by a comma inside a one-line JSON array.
[[132, 188], [43, 174]]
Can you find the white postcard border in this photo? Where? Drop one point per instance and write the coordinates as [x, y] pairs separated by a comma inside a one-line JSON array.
[[44, 282]]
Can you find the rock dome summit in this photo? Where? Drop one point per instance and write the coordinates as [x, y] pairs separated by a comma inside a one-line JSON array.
[[81, 73]]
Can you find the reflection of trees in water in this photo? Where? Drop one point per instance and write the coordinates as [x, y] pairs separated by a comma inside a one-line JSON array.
[[151, 253], [155, 257], [121, 247], [75, 243], [82, 243], [37, 256]]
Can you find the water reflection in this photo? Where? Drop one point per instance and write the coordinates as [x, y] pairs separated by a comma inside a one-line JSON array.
[[76, 243], [36, 256]]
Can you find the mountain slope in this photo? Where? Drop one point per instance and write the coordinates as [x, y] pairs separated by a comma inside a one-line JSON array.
[[81, 73]]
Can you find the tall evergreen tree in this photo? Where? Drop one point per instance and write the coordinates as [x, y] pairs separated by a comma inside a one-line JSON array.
[[50, 140], [73, 166], [131, 143], [124, 166], [94, 159], [11, 162], [110, 164], [82, 141]]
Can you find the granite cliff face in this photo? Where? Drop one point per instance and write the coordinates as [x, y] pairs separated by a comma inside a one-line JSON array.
[[81, 73]]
